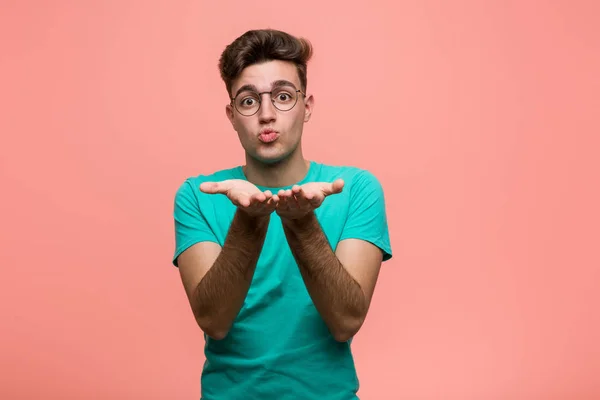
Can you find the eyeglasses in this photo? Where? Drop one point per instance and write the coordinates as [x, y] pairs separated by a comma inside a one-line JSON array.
[[284, 98]]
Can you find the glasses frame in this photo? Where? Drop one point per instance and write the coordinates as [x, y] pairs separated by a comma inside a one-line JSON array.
[[260, 94]]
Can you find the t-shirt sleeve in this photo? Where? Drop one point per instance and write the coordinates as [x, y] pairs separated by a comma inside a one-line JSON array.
[[191, 226], [367, 217]]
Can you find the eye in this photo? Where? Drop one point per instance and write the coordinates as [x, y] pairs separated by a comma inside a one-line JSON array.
[[247, 101], [283, 97]]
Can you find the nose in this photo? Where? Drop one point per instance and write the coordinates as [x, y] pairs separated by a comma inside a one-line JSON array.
[[267, 112]]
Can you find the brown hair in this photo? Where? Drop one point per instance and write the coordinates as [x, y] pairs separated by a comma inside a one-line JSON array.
[[262, 45]]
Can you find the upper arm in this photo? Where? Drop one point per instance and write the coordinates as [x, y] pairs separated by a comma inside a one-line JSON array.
[[194, 263], [362, 260], [364, 242], [196, 245]]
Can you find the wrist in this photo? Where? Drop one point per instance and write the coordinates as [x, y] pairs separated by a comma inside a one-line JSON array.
[[302, 223], [253, 221]]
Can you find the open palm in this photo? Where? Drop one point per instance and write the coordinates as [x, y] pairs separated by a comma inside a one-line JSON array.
[[300, 200], [243, 195]]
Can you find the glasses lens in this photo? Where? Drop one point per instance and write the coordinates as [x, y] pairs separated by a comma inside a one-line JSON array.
[[247, 103], [284, 98]]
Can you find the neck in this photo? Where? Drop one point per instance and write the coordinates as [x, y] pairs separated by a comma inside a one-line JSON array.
[[282, 173]]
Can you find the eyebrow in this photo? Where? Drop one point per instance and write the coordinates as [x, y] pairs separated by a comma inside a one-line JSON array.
[[274, 84]]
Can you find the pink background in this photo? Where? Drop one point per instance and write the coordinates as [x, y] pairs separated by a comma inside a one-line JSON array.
[[480, 118]]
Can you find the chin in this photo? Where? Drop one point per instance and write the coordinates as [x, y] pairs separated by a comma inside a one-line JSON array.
[[271, 158]]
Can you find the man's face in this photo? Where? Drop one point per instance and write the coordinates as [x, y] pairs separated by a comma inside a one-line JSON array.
[[269, 135]]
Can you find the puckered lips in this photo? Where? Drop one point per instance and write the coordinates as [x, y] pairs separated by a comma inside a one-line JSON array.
[[268, 135]]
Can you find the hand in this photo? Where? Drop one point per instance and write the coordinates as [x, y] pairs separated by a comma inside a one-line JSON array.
[[299, 201], [243, 195]]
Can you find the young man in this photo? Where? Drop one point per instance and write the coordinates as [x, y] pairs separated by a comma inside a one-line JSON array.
[[279, 257]]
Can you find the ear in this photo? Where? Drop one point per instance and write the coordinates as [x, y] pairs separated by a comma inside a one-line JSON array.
[[309, 103], [229, 112]]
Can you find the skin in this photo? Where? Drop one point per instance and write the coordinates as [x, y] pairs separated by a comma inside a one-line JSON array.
[[216, 279], [280, 163]]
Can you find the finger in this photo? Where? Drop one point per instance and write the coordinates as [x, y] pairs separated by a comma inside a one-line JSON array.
[[283, 199], [271, 200], [284, 195], [213, 187], [279, 196], [244, 201], [301, 198], [291, 199], [270, 204], [258, 197], [255, 201], [337, 186], [334, 188]]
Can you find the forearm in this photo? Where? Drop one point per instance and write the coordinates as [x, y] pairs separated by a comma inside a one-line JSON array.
[[336, 295], [220, 294]]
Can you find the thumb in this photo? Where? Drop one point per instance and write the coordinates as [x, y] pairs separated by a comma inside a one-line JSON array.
[[335, 187], [214, 187]]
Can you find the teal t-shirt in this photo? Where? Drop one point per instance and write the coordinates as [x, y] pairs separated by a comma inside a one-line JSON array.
[[279, 346]]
